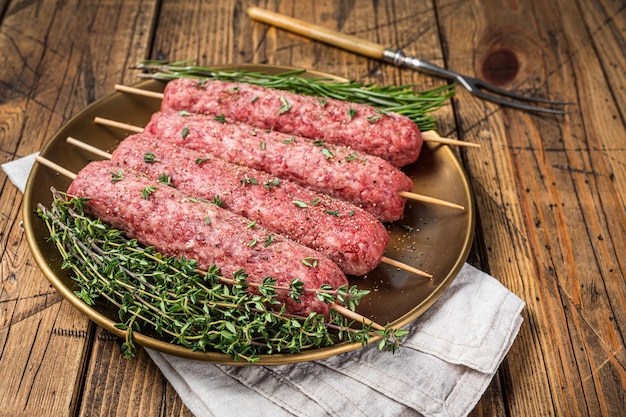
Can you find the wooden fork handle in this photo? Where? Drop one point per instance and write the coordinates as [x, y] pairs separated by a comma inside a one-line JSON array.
[[331, 37]]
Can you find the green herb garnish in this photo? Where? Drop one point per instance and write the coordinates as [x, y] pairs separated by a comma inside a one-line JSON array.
[[310, 262], [165, 179], [117, 176], [285, 106], [199, 310], [403, 99], [147, 191], [271, 184], [249, 180], [218, 201], [149, 157]]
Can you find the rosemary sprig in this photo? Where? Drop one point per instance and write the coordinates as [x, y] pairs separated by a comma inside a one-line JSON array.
[[401, 99], [201, 310]]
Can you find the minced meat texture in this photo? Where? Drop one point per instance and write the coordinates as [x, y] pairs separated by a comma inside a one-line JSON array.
[[364, 128], [179, 225], [364, 180], [348, 235]]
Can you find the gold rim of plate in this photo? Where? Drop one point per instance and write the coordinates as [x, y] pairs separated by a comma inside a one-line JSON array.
[[432, 238]]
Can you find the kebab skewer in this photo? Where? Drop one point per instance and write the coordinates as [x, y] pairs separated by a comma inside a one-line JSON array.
[[364, 180], [355, 242], [315, 295], [364, 128], [176, 224], [351, 237], [350, 109]]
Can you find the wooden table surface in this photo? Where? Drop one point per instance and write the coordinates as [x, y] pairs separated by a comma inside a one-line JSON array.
[[550, 190]]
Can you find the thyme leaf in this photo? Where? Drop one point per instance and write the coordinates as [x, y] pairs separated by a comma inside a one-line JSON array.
[[271, 184], [147, 191], [117, 176], [149, 157], [165, 180], [248, 180], [310, 262], [285, 106]]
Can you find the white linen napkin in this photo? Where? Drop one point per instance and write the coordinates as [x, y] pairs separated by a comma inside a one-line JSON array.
[[19, 169], [442, 367]]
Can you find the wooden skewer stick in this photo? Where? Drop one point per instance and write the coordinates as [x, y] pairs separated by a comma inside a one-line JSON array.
[[405, 194], [61, 170], [405, 267], [433, 137], [429, 136], [138, 91], [116, 124], [106, 155], [427, 199], [80, 144], [346, 312]]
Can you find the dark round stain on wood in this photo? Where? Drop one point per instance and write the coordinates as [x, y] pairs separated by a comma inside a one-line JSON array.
[[500, 67]]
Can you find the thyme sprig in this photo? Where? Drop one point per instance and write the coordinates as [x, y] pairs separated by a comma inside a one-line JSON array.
[[201, 310], [402, 99]]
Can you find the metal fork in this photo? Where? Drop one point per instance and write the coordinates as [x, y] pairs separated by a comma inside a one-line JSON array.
[[475, 86], [396, 57]]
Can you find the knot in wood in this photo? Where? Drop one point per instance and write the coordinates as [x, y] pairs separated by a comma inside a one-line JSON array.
[[500, 67]]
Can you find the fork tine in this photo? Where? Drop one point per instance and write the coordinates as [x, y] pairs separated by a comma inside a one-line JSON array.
[[522, 106], [497, 90], [474, 85]]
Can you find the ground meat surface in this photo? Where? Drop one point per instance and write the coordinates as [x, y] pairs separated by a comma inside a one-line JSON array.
[[364, 180], [365, 128], [351, 237], [179, 225]]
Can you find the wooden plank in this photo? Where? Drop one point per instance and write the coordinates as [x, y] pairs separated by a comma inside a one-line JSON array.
[[547, 190], [53, 66], [605, 33], [114, 383]]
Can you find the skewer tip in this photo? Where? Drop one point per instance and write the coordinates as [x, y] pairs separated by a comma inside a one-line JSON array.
[[138, 91], [61, 170], [432, 136], [432, 200], [406, 267]]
